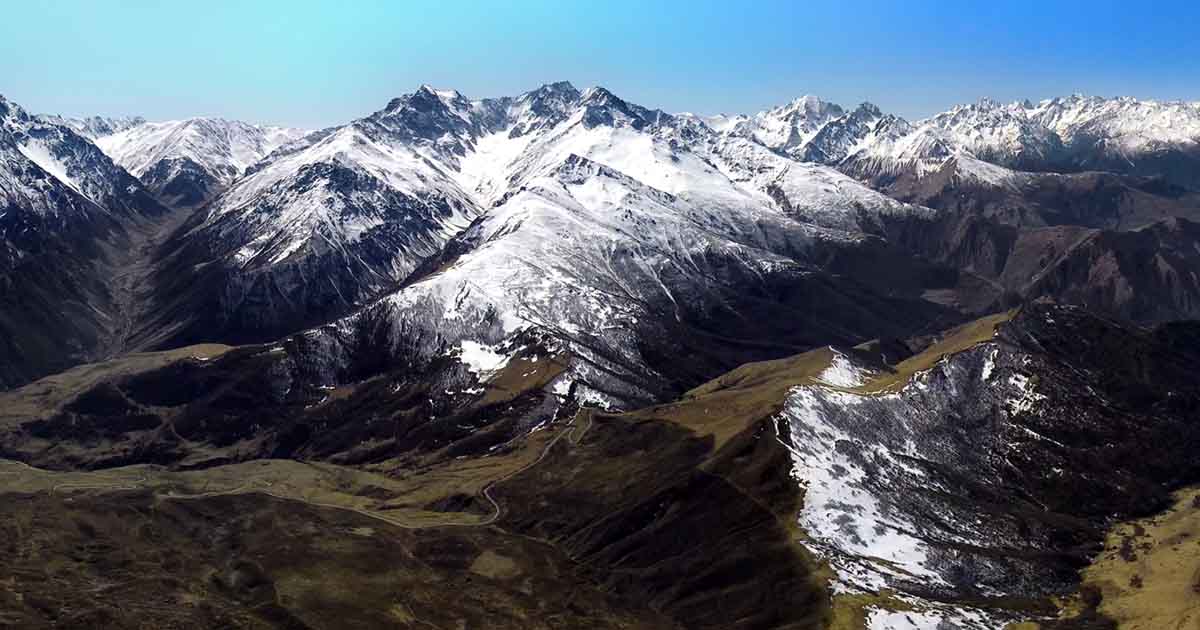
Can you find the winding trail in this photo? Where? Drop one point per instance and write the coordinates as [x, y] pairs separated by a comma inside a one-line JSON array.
[[487, 490], [139, 483]]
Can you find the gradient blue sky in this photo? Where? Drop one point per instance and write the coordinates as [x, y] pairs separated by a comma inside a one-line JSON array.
[[320, 63]]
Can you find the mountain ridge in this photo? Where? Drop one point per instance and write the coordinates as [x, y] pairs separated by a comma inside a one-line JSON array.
[[365, 204]]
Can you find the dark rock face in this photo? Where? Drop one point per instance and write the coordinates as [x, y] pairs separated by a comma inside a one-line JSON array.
[[1094, 199], [833, 142], [61, 244], [53, 291], [1143, 275], [1147, 275], [220, 295], [180, 182], [744, 316], [1179, 166]]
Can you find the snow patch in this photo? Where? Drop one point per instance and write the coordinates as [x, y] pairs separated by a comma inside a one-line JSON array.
[[940, 618], [481, 360], [989, 364], [39, 154], [1026, 397], [850, 526], [842, 372]]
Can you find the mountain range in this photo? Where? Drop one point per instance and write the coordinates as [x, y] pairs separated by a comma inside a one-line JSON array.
[[883, 350]]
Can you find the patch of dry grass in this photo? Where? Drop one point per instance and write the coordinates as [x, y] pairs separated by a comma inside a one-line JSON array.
[[954, 341], [1149, 571], [522, 374], [401, 500], [735, 401]]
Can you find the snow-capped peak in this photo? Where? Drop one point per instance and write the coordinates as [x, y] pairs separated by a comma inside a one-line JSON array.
[[788, 127], [94, 127], [48, 168], [192, 159], [444, 95], [1061, 134]]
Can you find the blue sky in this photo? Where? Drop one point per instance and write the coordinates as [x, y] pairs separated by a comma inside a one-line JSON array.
[[320, 63]]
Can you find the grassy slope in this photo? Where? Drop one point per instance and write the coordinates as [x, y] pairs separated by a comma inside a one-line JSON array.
[[1149, 573], [749, 396], [732, 412], [44, 396], [952, 342]]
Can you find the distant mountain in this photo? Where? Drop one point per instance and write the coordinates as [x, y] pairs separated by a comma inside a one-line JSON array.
[[1066, 135], [787, 128], [1000, 176], [95, 127], [185, 162]]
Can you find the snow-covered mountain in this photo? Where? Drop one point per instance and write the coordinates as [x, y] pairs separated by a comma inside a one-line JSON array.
[[1121, 125], [618, 234], [309, 228], [787, 128], [94, 127], [1123, 135], [364, 204], [68, 168], [185, 162], [704, 204]]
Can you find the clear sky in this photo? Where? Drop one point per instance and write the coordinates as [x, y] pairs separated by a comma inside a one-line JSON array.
[[319, 63]]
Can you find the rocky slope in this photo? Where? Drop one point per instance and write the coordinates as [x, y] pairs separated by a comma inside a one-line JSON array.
[[1122, 135], [68, 215], [368, 204], [966, 186], [871, 487], [991, 473]]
